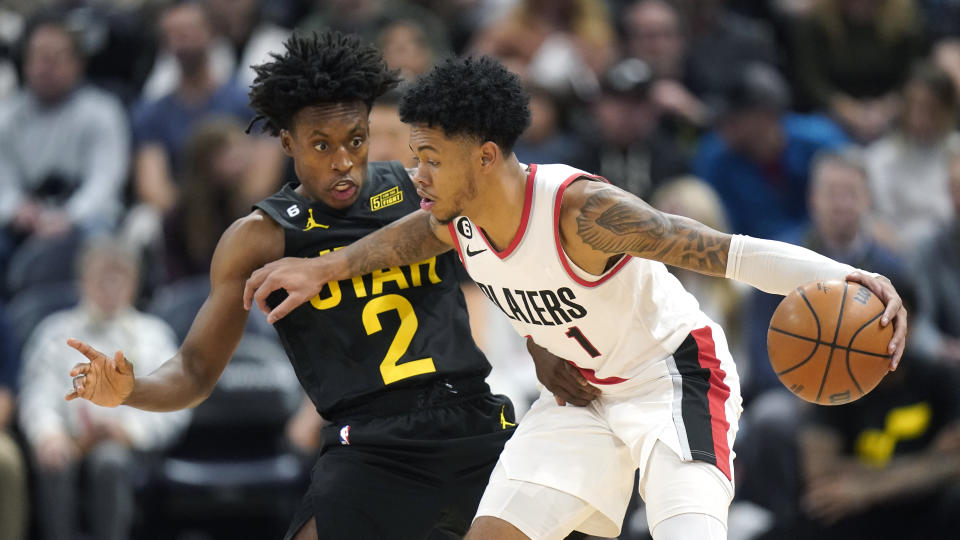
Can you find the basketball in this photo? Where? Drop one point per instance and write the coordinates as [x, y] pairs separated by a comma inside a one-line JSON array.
[[826, 344]]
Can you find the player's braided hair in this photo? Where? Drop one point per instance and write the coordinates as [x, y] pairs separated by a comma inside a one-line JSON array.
[[475, 97], [330, 67]]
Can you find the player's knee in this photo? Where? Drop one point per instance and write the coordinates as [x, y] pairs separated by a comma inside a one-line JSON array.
[[492, 528]]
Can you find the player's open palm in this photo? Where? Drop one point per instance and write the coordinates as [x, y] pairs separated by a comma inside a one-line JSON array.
[[103, 380]]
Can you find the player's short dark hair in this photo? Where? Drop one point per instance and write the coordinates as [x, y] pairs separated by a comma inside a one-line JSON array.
[[329, 67], [475, 97]]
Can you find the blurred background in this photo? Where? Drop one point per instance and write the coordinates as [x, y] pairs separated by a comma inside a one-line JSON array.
[[830, 124]]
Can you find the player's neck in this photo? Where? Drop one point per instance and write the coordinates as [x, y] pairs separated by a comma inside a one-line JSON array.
[[499, 211]]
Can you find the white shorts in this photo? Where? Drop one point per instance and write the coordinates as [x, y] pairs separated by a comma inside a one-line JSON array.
[[691, 405]]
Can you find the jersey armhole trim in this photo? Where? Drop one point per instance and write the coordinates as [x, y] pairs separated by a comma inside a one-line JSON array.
[[562, 255]]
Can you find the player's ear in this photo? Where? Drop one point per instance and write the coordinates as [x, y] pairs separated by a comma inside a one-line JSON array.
[[286, 142], [489, 154]]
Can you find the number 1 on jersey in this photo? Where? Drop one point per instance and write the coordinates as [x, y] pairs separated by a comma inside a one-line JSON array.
[[575, 333]]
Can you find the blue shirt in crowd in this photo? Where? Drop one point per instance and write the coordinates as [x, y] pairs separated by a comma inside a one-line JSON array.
[[767, 201], [169, 121]]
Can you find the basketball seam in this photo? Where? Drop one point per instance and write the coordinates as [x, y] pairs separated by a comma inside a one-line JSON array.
[[852, 338], [836, 333], [814, 340], [814, 351]]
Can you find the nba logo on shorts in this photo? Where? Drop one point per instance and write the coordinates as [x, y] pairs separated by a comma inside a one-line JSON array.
[[345, 435]]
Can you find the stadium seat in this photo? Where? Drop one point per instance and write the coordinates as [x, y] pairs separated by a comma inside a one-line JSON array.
[[232, 462]]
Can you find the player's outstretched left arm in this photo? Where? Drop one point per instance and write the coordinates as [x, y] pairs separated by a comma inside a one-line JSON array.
[[599, 221]]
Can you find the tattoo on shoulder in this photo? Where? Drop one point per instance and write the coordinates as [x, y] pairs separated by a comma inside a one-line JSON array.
[[615, 222]]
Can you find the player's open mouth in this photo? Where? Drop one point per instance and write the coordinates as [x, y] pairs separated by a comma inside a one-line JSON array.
[[344, 189], [426, 203]]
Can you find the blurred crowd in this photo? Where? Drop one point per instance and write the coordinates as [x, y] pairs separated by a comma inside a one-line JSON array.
[[831, 124]]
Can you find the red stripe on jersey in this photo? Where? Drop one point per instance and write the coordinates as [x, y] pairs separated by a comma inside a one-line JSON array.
[[556, 236], [456, 242], [591, 376], [527, 203], [716, 396]]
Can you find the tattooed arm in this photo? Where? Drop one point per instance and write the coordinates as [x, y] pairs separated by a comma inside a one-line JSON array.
[[411, 239], [599, 223]]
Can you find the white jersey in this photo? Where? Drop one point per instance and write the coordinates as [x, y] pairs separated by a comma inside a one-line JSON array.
[[613, 326]]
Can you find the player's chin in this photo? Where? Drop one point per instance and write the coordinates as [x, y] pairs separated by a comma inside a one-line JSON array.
[[444, 218]]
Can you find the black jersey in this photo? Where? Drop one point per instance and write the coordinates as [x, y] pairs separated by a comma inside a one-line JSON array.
[[395, 328]]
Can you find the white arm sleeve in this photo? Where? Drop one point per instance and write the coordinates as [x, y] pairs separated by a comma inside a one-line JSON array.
[[778, 267]]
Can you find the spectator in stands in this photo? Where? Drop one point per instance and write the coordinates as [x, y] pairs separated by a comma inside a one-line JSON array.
[[162, 127], [654, 33], [908, 167], [406, 47], [216, 191], [758, 158], [937, 322], [547, 140], [107, 442], [240, 39], [561, 45], [369, 18], [13, 471], [850, 58], [693, 48], [629, 145], [720, 42], [389, 137], [63, 145]]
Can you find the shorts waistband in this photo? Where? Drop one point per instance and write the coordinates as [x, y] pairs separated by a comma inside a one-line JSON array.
[[403, 400]]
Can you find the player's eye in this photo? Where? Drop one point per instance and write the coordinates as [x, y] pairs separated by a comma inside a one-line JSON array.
[[321, 147], [357, 142], [416, 160]]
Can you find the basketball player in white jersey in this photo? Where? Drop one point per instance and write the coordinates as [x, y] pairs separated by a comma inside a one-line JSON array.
[[578, 265]]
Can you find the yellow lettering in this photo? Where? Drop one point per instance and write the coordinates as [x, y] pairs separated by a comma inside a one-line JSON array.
[[329, 301], [431, 271], [876, 448], [391, 274], [358, 287]]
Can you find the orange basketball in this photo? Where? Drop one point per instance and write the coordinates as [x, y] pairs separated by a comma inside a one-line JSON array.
[[826, 344]]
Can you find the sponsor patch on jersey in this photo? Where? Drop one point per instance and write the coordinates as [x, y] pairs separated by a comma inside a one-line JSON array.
[[386, 198], [345, 435]]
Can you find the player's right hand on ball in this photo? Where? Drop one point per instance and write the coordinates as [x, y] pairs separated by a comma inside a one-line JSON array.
[[103, 380]]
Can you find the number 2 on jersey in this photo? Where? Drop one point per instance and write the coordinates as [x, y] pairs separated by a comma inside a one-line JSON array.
[[575, 333], [389, 369]]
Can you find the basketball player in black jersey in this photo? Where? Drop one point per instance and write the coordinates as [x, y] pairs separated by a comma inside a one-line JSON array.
[[386, 357]]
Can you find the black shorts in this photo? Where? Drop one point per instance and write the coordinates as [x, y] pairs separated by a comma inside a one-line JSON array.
[[409, 476]]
